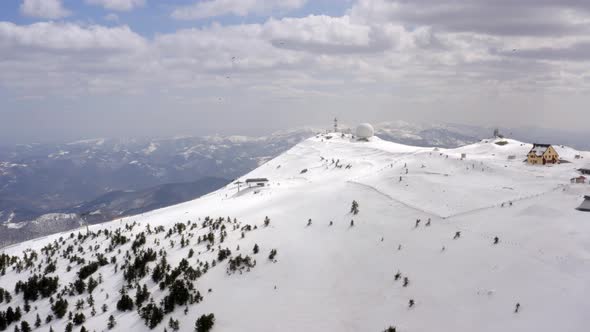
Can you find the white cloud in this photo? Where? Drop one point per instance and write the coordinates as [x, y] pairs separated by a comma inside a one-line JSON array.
[[120, 5], [68, 37], [51, 9], [323, 32], [213, 8], [377, 54], [111, 17]]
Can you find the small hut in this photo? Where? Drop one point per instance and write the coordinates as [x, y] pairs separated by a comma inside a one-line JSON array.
[[578, 179], [257, 182]]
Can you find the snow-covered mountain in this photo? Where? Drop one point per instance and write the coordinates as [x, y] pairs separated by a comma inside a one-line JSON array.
[[38, 179], [463, 239], [44, 184]]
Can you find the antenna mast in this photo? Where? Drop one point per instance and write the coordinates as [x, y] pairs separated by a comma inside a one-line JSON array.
[[335, 125]]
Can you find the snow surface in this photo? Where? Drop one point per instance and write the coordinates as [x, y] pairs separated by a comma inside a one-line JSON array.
[[341, 278]]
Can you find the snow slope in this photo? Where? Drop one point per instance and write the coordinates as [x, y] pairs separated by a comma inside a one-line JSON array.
[[341, 278]]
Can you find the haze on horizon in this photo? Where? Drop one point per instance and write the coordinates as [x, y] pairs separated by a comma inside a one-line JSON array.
[[112, 68]]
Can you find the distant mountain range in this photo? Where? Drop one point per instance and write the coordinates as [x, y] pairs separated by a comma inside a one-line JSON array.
[[108, 178], [112, 205], [43, 178]]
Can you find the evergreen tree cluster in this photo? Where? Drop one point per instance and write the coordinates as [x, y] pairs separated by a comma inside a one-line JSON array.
[[223, 254], [138, 269], [134, 264], [179, 294], [125, 303], [35, 286], [141, 295], [239, 263], [138, 242], [60, 307], [79, 318], [118, 239], [8, 317], [5, 296], [7, 261], [152, 315], [88, 270]]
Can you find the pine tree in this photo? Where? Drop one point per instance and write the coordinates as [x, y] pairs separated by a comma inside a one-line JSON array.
[[69, 327], [173, 324], [80, 304], [266, 221], [112, 323], [125, 303], [10, 316], [79, 318], [92, 284], [272, 254], [80, 286], [37, 321], [205, 323], [17, 314], [24, 326], [256, 249], [354, 209], [60, 308]]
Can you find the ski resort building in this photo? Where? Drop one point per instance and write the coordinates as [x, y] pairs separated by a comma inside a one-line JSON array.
[[585, 171], [258, 182], [579, 179], [542, 154], [585, 206]]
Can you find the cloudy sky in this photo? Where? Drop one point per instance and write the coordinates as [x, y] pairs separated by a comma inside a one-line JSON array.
[[97, 68]]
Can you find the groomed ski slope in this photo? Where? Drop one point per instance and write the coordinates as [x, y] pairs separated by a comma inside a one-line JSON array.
[[341, 278]]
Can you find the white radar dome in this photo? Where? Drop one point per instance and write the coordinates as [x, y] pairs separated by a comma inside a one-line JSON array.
[[365, 130]]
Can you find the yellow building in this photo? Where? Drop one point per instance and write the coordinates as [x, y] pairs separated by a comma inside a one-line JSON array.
[[542, 154]]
